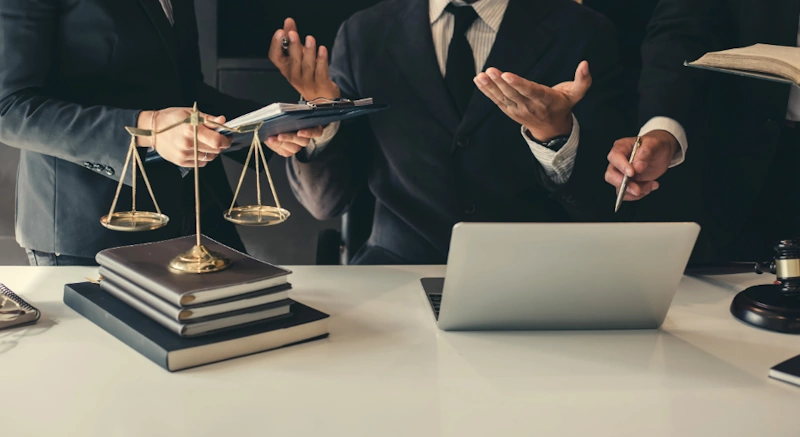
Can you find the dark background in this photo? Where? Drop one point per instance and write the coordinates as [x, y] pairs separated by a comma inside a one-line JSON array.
[[234, 41]]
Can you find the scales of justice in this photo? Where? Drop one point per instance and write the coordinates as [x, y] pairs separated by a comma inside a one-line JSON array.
[[198, 259]]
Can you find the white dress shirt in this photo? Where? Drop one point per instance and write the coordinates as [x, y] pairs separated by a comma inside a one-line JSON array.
[[675, 128], [481, 36]]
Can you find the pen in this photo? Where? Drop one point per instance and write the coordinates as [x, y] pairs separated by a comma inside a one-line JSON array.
[[624, 186], [285, 46]]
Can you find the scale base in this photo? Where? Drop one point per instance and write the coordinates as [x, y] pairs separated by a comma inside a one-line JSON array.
[[257, 215], [198, 259], [767, 307], [134, 221]]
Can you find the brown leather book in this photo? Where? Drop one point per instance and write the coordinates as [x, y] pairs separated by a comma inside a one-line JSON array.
[[762, 61], [147, 265]]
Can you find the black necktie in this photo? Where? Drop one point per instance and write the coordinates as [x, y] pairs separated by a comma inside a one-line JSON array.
[[460, 61]]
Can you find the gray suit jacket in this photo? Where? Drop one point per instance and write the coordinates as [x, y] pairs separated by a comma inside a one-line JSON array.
[[73, 74]]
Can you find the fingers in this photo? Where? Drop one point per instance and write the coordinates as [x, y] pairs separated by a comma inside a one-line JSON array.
[[295, 55], [276, 52], [511, 96], [203, 160], [289, 25], [487, 86], [581, 84], [287, 145], [636, 190], [321, 71], [526, 88], [309, 62], [208, 140], [311, 133], [619, 157]]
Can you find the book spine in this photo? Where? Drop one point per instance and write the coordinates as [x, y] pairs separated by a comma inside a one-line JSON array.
[[111, 263], [140, 294], [154, 315], [116, 327]]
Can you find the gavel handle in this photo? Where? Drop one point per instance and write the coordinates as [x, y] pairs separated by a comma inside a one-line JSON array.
[[729, 268]]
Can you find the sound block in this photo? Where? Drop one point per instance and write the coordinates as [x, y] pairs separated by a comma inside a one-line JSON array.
[[767, 307]]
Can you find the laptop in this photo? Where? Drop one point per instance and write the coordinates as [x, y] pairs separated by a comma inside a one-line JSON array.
[[560, 276]]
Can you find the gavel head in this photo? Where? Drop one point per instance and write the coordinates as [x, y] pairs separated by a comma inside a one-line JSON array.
[[787, 265]]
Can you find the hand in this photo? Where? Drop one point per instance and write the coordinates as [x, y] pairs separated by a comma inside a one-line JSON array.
[[177, 144], [289, 144], [545, 112], [651, 161], [306, 66]]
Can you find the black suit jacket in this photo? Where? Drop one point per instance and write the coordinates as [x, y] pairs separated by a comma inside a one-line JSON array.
[[73, 74], [427, 167], [733, 123]]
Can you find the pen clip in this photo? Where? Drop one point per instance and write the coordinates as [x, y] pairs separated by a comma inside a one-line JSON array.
[[328, 103]]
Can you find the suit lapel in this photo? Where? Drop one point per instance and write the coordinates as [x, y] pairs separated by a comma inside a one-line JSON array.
[[410, 45], [165, 31], [518, 46]]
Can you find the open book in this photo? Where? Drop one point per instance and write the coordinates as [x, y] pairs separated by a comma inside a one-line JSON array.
[[763, 61]]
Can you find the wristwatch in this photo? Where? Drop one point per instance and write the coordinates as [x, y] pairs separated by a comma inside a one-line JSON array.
[[554, 144]]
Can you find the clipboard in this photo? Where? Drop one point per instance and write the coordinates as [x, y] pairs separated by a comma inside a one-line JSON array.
[[742, 73], [281, 118]]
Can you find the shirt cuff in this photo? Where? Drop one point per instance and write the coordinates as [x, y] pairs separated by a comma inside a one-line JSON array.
[[317, 145], [675, 129], [557, 165]]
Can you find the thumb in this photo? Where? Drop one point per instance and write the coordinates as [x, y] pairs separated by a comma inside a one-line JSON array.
[[642, 159], [581, 84]]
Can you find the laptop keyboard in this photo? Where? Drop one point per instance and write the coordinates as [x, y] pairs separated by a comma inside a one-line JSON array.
[[433, 290], [436, 301]]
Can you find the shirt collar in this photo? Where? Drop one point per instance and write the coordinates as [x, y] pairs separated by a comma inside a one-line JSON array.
[[490, 11]]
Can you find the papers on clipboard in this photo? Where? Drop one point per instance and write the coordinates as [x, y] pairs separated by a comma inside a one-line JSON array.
[[279, 118], [265, 114]]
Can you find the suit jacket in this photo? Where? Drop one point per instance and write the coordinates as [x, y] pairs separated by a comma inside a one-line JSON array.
[[733, 124], [427, 167], [73, 74]]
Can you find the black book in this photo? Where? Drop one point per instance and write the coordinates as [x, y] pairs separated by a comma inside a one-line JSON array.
[[172, 352], [787, 371], [147, 265]]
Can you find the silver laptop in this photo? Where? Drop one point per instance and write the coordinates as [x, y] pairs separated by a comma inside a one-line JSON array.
[[560, 276]]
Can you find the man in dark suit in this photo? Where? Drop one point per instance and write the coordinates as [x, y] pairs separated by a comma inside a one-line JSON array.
[[741, 134], [73, 75], [532, 151]]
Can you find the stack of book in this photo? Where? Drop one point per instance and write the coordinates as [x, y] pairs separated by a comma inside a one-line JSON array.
[[182, 320]]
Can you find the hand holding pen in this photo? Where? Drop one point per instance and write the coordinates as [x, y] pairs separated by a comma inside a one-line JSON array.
[[656, 154], [305, 66]]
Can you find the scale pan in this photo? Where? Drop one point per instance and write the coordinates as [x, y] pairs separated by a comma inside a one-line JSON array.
[[257, 215], [134, 221]]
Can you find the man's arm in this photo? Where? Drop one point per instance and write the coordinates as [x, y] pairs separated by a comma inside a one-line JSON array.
[[587, 110], [671, 95], [326, 181]]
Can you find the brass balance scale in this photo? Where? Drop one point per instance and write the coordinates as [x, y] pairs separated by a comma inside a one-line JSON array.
[[198, 259]]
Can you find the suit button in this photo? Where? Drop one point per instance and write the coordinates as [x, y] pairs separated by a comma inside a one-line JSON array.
[[470, 209], [109, 171], [462, 142], [97, 167], [88, 165]]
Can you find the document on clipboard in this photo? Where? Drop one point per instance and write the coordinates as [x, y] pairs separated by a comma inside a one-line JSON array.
[[279, 118]]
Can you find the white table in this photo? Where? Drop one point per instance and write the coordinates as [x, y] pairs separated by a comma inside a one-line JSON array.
[[387, 371]]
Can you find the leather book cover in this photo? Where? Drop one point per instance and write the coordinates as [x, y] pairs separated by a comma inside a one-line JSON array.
[[206, 325], [172, 352], [188, 313], [147, 265]]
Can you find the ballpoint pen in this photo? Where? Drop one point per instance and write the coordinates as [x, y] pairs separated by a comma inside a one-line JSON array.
[[285, 46], [624, 186]]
